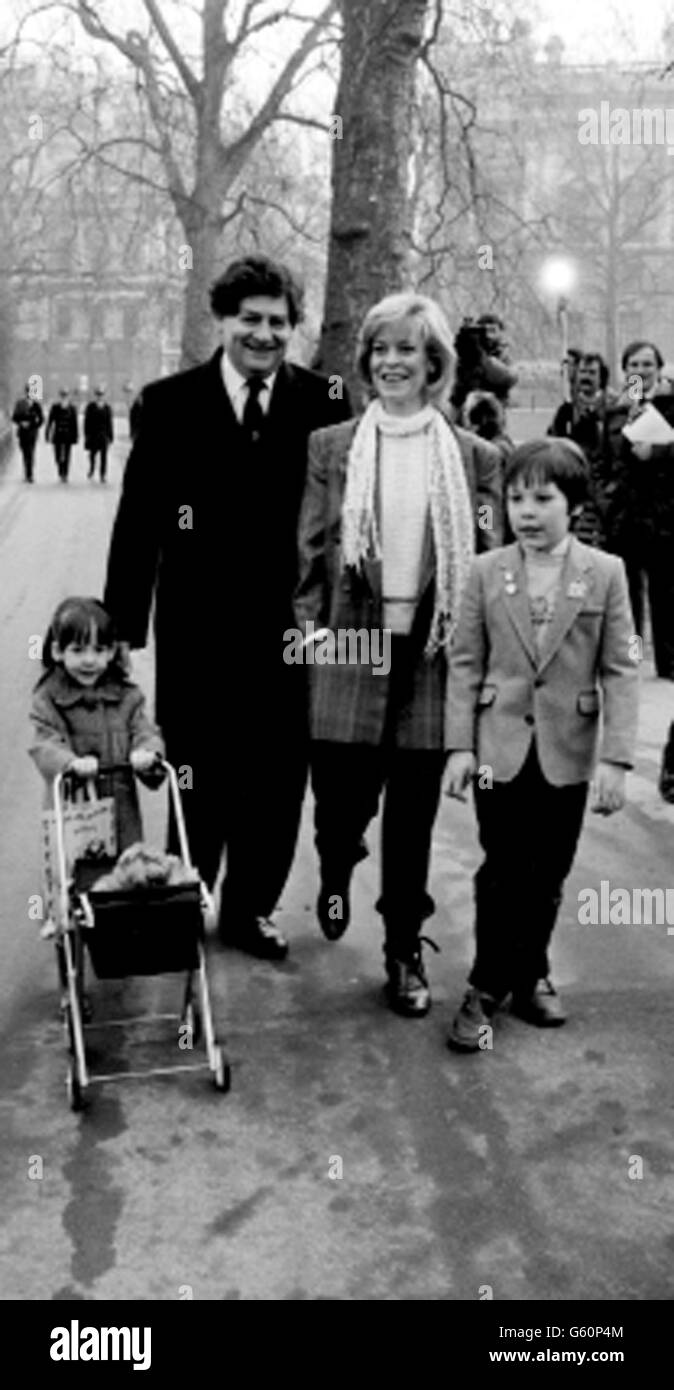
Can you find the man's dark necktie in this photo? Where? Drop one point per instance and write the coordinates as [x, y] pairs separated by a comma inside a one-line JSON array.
[[252, 419]]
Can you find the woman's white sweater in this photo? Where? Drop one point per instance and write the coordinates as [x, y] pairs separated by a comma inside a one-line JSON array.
[[403, 479]]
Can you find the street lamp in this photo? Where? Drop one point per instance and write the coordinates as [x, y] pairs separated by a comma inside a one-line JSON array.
[[558, 277]]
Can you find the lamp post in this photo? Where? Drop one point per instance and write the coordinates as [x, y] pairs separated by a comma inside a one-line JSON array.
[[558, 276]]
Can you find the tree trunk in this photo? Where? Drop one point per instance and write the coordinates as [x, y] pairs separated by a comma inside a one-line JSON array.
[[198, 261], [370, 225]]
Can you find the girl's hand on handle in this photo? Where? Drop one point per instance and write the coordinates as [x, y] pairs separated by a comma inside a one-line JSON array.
[[608, 789], [142, 759], [84, 767], [460, 772]]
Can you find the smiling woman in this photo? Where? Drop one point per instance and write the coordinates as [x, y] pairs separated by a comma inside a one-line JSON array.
[[405, 352], [399, 367], [386, 537]]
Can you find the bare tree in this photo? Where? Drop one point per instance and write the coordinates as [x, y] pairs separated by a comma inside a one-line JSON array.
[[203, 151], [369, 246], [474, 231], [613, 212]]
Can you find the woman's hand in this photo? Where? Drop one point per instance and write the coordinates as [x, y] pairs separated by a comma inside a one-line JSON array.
[[608, 789], [142, 759], [460, 772], [84, 767], [642, 450]]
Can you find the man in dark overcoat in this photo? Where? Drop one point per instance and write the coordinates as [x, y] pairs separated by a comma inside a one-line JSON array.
[[98, 432], [62, 431], [28, 417], [207, 528]]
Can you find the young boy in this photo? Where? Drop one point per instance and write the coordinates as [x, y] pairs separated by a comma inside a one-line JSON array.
[[542, 675]]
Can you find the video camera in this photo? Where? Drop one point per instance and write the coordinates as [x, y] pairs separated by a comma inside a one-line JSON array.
[[481, 359]]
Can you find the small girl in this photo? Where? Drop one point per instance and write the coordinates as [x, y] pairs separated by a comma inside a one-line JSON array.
[[87, 714]]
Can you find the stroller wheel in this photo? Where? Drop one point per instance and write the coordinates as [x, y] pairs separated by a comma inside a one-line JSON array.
[[222, 1074], [74, 1089]]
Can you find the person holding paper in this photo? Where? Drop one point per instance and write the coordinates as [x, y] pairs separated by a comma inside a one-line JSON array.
[[639, 490]]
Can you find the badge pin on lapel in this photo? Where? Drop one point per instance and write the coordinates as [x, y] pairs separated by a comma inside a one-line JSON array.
[[577, 589], [510, 585]]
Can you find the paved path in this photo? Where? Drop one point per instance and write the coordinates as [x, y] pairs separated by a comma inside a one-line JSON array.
[[509, 1169]]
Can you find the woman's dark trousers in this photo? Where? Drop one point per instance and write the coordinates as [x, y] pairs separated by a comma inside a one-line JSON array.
[[348, 780]]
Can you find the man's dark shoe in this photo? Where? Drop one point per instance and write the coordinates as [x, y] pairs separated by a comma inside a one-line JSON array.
[[333, 909], [542, 1006], [466, 1033], [407, 986], [257, 936]]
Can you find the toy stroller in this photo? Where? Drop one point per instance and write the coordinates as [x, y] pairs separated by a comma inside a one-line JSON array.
[[151, 930]]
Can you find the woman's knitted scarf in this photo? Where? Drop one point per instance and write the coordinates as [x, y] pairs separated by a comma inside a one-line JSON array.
[[450, 506]]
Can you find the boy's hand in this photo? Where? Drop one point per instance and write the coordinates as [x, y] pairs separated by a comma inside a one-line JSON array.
[[142, 759], [460, 772], [608, 789], [84, 767]]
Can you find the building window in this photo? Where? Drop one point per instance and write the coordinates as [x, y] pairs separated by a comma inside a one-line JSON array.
[[96, 321], [131, 321], [63, 323], [114, 323]]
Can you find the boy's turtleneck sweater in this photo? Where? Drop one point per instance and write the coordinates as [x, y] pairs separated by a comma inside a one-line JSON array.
[[543, 570]]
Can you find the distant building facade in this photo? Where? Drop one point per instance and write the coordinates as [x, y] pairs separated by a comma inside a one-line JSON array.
[[72, 331]]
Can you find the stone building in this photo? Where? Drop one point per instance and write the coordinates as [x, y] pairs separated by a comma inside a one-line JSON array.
[[74, 331]]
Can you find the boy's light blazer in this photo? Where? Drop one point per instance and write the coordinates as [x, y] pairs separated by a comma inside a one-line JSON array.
[[579, 695]]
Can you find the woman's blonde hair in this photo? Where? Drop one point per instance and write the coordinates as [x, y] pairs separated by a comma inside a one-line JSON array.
[[436, 336]]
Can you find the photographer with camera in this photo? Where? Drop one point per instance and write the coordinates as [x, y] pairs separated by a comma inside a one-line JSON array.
[[482, 361]]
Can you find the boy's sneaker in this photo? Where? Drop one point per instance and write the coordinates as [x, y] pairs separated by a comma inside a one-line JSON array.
[[542, 1006], [465, 1034]]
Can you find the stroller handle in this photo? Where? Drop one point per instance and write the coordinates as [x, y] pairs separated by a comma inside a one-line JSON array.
[[63, 777]]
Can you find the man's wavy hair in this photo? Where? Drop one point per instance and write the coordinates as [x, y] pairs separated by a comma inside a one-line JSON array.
[[252, 276], [435, 333]]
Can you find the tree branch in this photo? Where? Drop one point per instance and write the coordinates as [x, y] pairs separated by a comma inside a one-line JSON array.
[[296, 119], [191, 82], [240, 148]]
